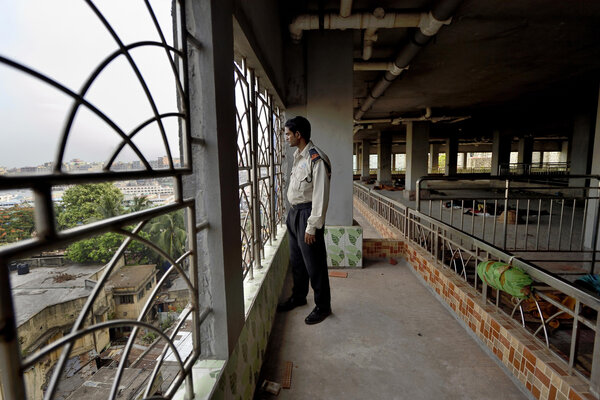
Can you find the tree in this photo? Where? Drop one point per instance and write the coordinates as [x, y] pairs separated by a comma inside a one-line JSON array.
[[139, 203], [90, 202], [102, 248], [168, 233], [16, 223]]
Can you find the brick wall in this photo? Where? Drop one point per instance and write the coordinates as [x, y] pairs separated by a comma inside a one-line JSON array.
[[541, 372]]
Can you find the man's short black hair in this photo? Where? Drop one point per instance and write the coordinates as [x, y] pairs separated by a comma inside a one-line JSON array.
[[299, 124]]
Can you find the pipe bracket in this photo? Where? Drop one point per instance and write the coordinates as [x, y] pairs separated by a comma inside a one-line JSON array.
[[429, 25]]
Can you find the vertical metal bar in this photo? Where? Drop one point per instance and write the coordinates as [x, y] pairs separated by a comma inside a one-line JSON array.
[[429, 207], [44, 212], [516, 223], [572, 221], [271, 152], [574, 336], [504, 228], [484, 218], [585, 206], [11, 379], [562, 211], [549, 226], [451, 213], [462, 214], [595, 373], [537, 230], [256, 225], [441, 211], [527, 225], [473, 218], [495, 221], [596, 229]]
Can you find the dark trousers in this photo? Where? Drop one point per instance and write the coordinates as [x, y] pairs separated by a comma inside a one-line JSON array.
[[309, 262]]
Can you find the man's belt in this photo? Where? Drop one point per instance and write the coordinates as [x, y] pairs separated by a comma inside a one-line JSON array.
[[301, 206]]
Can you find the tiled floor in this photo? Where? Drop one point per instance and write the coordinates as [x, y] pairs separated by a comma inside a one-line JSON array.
[[388, 338]]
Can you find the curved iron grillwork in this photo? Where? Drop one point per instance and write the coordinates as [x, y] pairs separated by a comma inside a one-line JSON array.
[[49, 238], [260, 156]]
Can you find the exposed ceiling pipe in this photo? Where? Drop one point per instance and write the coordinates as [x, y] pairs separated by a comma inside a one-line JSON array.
[[439, 15], [374, 66], [345, 8], [356, 21], [370, 36]]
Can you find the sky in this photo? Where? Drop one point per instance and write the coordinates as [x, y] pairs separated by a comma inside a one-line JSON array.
[[64, 40]]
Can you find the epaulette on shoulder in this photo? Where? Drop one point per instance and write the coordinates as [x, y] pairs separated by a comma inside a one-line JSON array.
[[314, 155]]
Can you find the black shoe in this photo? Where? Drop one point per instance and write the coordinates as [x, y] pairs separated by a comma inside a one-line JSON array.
[[317, 315], [290, 304]]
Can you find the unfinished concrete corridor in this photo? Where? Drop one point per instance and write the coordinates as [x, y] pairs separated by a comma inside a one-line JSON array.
[[388, 338]]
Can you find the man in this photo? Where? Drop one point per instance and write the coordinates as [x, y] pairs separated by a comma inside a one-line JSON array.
[[308, 194]]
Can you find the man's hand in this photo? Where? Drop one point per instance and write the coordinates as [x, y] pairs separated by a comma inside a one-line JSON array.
[[309, 239]]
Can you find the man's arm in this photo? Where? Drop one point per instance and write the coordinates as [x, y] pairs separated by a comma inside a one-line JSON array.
[[320, 201]]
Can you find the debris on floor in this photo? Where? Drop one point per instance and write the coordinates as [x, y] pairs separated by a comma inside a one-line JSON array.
[[287, 376], [338, 274], [271, 387], [393, 261]]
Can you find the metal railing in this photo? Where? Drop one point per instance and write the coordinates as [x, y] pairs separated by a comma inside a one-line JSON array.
[[13, 361], [526, 216], [540, 168], [260, 156], [577, 344]]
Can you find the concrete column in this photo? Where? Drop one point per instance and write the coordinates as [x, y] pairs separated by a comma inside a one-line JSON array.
[[500, 151], [581, 144], [451, 155], [591, 231], [434, 154], [564, 151], [329, 110], [525, 150], [384, 172], [214, 183], [365, 151], [464, 159], [417, 147]]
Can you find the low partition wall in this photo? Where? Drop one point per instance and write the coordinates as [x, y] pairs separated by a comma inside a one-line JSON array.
[[237, 377], [541, 372], [240, 375]]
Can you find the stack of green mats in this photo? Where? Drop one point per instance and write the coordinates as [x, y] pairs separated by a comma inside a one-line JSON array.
[[501, 276]]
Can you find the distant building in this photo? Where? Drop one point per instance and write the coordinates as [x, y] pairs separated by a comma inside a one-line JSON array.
[[131, 286], [47, 303]]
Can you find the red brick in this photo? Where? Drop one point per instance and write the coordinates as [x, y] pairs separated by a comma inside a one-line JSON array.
[[470, 303], [528, 385], [495, 326], [529, 356], [552, 394], [573, 395], [589, 396], [535, 391], [542, 377], [529, 366], [511, 356]]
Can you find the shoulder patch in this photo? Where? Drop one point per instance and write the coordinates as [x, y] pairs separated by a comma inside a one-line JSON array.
[[314, 155]]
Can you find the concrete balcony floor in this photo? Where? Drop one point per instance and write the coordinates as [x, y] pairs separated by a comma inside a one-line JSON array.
[[388, 338]]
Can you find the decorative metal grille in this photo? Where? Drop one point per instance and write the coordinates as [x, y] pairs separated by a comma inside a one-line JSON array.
[[260, 156], [128, 226]]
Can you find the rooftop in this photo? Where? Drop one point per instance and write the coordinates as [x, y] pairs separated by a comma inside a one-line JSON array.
[[131, 276], [47, 286]]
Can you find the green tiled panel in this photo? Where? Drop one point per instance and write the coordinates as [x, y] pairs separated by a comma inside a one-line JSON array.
[[344, 246]]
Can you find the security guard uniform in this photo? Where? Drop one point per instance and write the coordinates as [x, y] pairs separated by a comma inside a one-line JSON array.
[[308, 194]]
